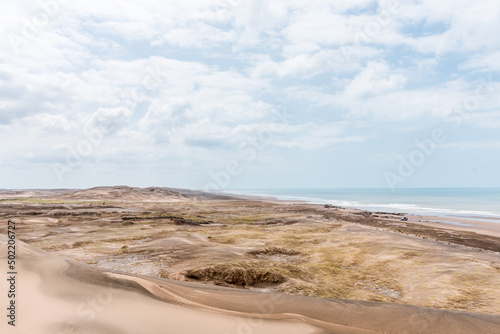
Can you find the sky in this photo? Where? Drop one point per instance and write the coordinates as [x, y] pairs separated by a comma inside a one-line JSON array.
[[232, 94]]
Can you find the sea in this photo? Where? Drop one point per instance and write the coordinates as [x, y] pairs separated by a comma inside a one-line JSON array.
[[477, 203]]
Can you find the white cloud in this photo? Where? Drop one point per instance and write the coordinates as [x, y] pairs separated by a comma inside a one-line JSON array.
[[191, 80], [374, 80], [51, 122], [488, 62], [111, 120], [257, 17], [309, 65], [403, 104], [318, 136], [470, 25]]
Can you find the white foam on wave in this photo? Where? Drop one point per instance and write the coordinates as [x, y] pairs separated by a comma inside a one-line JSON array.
[[393, 207]]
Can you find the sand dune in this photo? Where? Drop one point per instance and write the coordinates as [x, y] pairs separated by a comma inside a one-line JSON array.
[[126, 193], [59, 296], [30, 193]]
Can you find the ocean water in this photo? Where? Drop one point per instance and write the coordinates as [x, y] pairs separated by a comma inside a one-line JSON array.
[[444, 202]]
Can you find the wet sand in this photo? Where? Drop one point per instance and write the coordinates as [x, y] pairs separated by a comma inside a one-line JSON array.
[[469, 224]]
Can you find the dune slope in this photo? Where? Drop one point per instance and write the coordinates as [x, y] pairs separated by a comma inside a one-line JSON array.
[[59, 296]]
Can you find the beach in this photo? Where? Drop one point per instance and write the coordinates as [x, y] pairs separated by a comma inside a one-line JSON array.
[[164, 257]]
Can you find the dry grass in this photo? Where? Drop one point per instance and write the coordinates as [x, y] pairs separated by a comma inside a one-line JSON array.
[[289, 250], [274, 251], [470, 293], [240, 274]]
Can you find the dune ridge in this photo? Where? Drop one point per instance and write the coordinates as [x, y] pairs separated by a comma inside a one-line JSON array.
[[60, 296]]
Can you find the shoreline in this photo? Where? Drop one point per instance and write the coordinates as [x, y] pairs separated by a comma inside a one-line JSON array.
[[402, 205], [464, 224], [476, 224]]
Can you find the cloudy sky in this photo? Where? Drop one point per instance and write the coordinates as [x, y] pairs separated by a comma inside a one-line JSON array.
[[250, 93]]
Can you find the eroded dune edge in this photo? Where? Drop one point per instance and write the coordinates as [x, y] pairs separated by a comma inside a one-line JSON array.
[[60, 296]]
